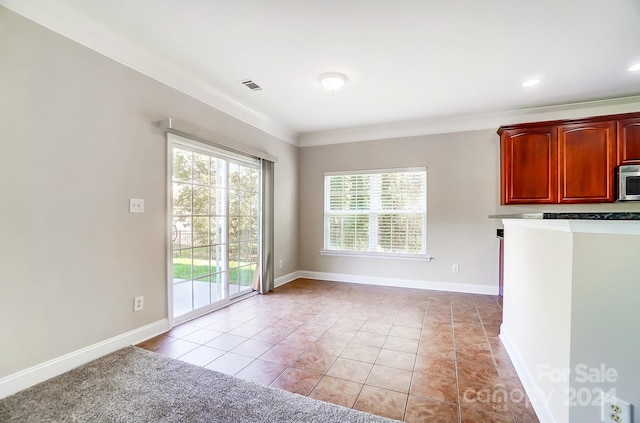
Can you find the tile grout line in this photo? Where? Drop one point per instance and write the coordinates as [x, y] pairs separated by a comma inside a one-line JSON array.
[[413, 373], [373, 364], [455, 362], [395, 305], [493, 358]]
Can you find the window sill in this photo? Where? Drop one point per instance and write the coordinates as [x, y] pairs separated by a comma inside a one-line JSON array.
[[365, 254]]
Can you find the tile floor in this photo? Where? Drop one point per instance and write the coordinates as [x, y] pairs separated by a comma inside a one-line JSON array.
[[407, 354]]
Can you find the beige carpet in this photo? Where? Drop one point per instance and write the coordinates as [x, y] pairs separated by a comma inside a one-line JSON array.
[[134, 385]]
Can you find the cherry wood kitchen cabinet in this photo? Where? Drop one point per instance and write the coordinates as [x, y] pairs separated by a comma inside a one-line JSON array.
[[586, 162], [566, 161], [528, 166], [629, 141]]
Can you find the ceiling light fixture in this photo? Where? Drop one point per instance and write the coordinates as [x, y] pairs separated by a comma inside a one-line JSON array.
[[531, 83], [635, 68], [332, 81]]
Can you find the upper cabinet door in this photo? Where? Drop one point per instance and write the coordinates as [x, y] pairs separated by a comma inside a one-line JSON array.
[[586, 159], [629, 141], [529, 159]]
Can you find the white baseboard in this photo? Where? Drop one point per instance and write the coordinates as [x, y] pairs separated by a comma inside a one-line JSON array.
[[39, 373], [537, 399], [23, 379], [286, 279], [402, 283]]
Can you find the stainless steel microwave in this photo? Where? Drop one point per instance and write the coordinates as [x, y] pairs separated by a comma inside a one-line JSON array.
[[629, 183]]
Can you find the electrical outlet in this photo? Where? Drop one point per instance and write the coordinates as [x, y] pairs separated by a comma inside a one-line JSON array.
[[136, 205], [280, 264], [615, 410], [138, 303], [455, 268]]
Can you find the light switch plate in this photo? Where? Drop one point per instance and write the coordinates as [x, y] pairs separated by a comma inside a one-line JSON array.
[[136, 205]]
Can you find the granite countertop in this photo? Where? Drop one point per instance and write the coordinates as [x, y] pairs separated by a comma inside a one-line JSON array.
[[572, 216]]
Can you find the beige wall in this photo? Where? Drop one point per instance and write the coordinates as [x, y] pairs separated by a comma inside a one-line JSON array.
[[605, 320], [462, 190], [537, 311], [570, 314], [77, 143]]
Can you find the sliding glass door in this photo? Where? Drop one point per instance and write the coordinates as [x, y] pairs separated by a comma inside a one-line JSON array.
[[244, 226], [215, 226]]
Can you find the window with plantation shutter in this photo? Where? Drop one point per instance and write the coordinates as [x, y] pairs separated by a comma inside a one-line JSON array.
[[376, 212]]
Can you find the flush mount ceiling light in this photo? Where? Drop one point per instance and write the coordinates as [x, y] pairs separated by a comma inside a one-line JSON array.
[[635, 68], [332, 81], [531, 83]]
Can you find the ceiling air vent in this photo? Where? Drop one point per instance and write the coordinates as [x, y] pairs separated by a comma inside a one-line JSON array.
[[251, 85]]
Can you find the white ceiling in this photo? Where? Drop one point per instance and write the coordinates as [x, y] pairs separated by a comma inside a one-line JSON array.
[[407, 61]]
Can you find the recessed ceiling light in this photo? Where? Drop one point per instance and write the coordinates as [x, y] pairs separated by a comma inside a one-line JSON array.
[[635, 68], [531, 83], [332, 81]]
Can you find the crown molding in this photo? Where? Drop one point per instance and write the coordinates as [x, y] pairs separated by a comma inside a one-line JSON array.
[[67, 22], [470, 122]]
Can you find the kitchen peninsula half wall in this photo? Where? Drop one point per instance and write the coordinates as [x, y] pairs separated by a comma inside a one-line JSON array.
[[571, 296]]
